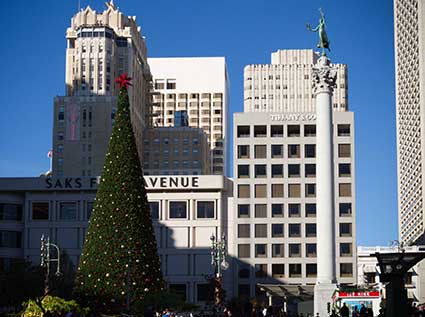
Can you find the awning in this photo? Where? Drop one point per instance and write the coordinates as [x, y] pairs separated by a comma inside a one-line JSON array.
[[303, 292]]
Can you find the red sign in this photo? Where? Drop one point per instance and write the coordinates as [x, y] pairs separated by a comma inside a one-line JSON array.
[[359, 294]]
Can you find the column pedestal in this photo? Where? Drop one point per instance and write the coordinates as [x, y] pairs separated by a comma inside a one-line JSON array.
[[323, 298]]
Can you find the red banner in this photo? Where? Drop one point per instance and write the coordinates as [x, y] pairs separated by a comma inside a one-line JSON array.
[[359, 294]]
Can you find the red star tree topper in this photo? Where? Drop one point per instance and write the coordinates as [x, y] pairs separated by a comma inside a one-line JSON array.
[[123, 80]]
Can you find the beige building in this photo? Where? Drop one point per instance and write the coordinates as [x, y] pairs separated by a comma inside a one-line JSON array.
[[409, 33], [272, 231], [176, 150], [200, 86], [100, 47], [285, 85]]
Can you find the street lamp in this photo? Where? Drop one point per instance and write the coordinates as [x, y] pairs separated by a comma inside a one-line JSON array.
[[218, 260], [46, 259]]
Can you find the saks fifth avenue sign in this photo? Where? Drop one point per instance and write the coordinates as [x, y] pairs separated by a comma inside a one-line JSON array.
[[293, 117], [151, 182]]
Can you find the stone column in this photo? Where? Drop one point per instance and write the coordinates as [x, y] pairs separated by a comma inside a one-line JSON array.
[[324, 77]]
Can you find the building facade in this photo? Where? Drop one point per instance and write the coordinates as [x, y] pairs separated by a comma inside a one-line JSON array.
[[100, 46], [176, 151], [285, 85], [272, 231], [409, 38], [186, 211], [200, 86]]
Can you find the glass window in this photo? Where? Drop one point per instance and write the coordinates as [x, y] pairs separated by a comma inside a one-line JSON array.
[[346, 269], [345, 229], [277, 250], [90, 205], [294, 210], [276, 131], [243, 211], [277, 170], [309, 150], [243, 131], [310, 190], [294, 230], [179, 290], [277, 190], [178, 209], [68, 211], [260, 131], [204, 292], [261, 230], [277, 150], [344, 150], [260, 170], [260, 210], [243, 171], [243, 230], [294, 250], [345, 249], [294, 170], [244, 251], [278, 270], [154, 208], [293, 150], [244, 290], [243, 191], [343, 130], [277, 210], [11, 212], [310, 230], [243, 151], [310, 170], [345, 190], [260, 270], [40, 211], [311, 269], [294, 190], [310, 250], [309, 130], [10, 239], [344, 170], [345, 209], [261, 191], [310, 210], [277, 230], [205, 209], [260, 151], [293, 130], [261, 250], [244, 270], [294, 270]]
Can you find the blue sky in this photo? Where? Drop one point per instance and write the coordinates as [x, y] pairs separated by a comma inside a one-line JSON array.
[[245, 32]]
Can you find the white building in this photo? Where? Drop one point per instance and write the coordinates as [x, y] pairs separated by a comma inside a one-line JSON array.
[[186, 210], [409, 38], [285, 85], [200, 86]]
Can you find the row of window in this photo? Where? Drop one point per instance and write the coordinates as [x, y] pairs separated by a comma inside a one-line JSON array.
[[293, 151], [175, 164], [174, 151], [292, 191], [204, 292], [10, 239], [179, 209], [292, 130], [166, 141], [293, 170], [294, 210]]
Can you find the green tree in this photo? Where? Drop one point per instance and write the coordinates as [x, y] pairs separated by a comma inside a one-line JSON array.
[[119, 261]]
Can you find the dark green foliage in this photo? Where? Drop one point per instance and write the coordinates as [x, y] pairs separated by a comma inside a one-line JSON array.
[[120, 243]]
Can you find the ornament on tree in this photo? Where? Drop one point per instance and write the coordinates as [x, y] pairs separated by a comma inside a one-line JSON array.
[[124, 81]]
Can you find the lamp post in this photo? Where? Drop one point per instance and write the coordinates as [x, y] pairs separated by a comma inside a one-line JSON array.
[[46, 259], [218, 260]]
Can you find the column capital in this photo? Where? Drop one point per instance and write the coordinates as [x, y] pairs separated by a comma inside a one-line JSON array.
[[324, 76]]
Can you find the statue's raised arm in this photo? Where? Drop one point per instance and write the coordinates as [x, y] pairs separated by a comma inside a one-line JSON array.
[[323, 37]]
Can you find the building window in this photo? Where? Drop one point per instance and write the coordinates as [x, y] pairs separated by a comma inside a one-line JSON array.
[[205, 209], [345, 209], [294, 210], [310, 250], [344, 170], [179, 290], [277, 230], [294, 170], [310, 190], [261, 230], [243, 131], [243, 151], [154, 208], [276, 131], [278, 270], [294, 270], [293, 130], [260, 151], [243, 191], [310, 230], [61, 113], [260, 211], [10, 212], [345, 190], [260, 170], [244, 290], [244, 231], [310, 170], [311, 269], [277, 190], [277, 250], [204, 292], [310, 150], [244, 271], [346, 269], [309, 130], [294, 190], [277, 210], [260, 131], [244, 251], [68, 211], [171, 84], [277, 151], [243, 171], [310, 210], [343, 130], [261, 250], [10, 239], [294, 230], [60, 136], [345, 249], [293, 150], [294, 250], [277, 170], [243, 211], [260, 270], [345, 229], [261, 191], [344, 150], [178, 210], [40, 211]]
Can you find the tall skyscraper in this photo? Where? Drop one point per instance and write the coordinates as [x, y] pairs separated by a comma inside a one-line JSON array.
[[409, 34], [200, 86], [100, 46], [285, 85]]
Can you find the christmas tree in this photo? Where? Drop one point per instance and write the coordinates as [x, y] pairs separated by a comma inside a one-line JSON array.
[[119, 263]]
